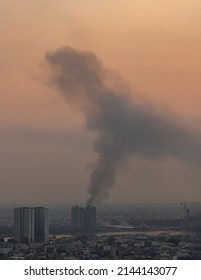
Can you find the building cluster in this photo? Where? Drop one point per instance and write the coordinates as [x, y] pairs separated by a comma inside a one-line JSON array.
[[112, 238], [83, 219], [31, 224], [136, 247]]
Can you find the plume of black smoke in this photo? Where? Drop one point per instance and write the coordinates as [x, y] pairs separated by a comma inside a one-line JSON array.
[[122, 126]]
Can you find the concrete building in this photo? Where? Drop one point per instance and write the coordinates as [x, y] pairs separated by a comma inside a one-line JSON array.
[[41, 224], [24, 225], [83, 219], [31, 225], [77, 218], [90, 218]]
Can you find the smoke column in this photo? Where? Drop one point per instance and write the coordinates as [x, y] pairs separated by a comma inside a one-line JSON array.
[[122, 125]]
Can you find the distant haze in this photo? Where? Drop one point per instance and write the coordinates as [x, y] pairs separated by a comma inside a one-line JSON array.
[[49, 146]]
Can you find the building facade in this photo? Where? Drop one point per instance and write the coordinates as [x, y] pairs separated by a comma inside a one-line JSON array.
[[31, 225], [77, 218], [83, 219], [41, 224]]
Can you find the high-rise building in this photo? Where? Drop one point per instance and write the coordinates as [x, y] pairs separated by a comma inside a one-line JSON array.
[[77, 218], [24, 224], [90, 218], [41, 224], [83, 219], [31, 224]]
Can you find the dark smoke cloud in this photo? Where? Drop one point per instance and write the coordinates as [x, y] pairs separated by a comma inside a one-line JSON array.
[[122, 126]]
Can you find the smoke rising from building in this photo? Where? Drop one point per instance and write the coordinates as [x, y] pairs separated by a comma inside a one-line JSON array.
[[83, 219], [122, 125]]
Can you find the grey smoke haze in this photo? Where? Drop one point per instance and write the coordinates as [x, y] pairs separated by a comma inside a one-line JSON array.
[[122, 125]]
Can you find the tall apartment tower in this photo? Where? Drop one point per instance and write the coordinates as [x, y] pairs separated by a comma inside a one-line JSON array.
[[41, 224], [24, 225], [31, 225], [90, 218], [77, 218], [83, 219]]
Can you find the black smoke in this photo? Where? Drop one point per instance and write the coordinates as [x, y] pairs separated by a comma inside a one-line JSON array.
[[122, 125]]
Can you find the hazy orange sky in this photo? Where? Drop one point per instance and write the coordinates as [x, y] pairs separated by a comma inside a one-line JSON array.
[[154, 45]]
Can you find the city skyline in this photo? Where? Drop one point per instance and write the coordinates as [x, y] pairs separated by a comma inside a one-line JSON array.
[[47, 151], [163, 232]]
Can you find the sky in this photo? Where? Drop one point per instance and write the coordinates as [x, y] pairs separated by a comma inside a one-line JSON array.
[[46, 150]]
